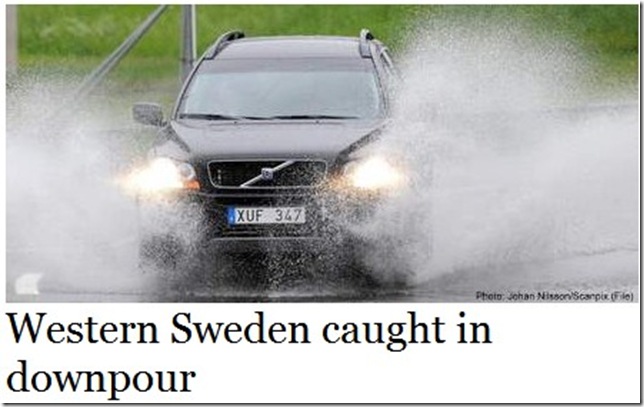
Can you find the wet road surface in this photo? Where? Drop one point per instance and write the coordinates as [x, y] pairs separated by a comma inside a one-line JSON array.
[[612, 273]]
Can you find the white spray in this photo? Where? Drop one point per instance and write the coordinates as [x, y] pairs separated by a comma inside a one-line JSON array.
[[65, 218], [507, 167], [501, 175]]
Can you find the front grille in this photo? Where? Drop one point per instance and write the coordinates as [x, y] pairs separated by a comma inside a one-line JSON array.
[[285, 173]]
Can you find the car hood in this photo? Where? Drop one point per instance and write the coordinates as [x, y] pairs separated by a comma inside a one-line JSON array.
[[267, 140]]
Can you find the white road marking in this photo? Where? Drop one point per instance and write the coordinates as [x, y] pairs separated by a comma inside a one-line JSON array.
[[27, 284]]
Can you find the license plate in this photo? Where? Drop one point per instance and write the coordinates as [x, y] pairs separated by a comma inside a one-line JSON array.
[[265, 215]]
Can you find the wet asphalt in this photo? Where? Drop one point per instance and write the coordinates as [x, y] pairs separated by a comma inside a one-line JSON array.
[[610, 276]]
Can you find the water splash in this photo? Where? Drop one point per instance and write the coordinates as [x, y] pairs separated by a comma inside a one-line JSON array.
[[510, 163], [507, 168], [64, 217]]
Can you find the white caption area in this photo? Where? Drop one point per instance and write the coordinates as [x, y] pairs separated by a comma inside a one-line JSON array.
[[546, 353]]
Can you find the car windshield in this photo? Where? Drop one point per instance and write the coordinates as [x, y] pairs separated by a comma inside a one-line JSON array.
[[332, 88]]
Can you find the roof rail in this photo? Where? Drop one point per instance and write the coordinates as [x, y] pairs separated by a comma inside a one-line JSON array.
[[365, 37], [222, 41]]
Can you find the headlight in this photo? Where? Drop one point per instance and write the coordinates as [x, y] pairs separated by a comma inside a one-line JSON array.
[[374, 173], [161, 175]]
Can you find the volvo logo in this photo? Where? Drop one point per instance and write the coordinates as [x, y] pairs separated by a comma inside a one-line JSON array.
[[268, 174]]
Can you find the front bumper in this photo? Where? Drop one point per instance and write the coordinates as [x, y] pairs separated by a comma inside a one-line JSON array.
[[267, 244]]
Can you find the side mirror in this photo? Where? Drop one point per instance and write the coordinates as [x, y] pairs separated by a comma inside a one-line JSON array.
[[148, 113]]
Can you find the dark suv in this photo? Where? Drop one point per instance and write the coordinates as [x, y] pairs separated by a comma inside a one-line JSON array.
[[267, 148]]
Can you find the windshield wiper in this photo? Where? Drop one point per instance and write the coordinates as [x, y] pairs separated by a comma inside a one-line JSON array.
[[310, 117], [216, 116]]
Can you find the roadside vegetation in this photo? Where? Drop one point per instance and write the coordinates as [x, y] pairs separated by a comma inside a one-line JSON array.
[[70, 40]]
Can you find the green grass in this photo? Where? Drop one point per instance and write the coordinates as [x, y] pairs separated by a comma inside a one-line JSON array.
[[63, 35], [607, 35], [96, 30], [72, 40], [69, 41]]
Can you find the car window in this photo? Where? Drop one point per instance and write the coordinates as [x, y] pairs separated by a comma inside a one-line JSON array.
[[263, 89]]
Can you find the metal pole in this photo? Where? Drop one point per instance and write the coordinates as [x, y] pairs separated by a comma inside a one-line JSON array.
[[188, 39], [94, 78], [12, 38]]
